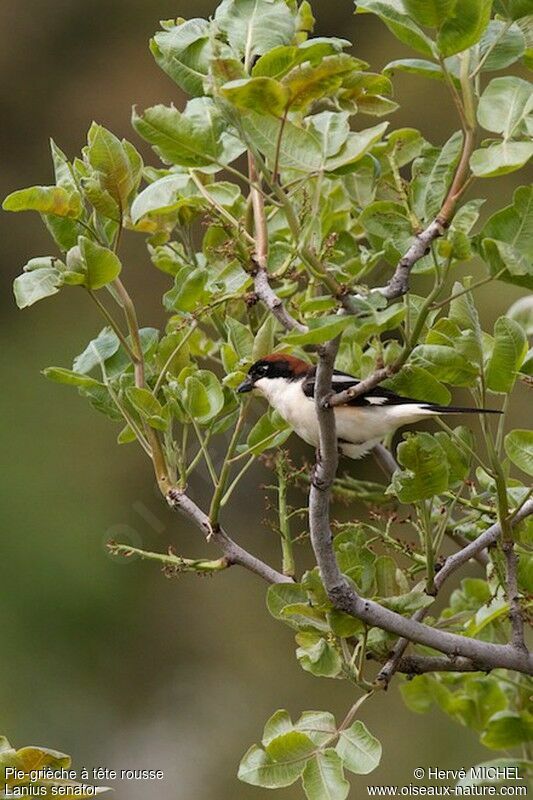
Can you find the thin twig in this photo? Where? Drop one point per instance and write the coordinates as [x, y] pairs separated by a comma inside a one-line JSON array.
[[260, 264]]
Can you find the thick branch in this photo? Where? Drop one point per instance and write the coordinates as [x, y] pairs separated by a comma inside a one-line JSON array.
[[234, 553], [472, 550], [418, 665], [341, 593], [515, 611]]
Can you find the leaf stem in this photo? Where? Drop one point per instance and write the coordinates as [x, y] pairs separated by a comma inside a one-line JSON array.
[[288, 563], [158, 457], [112, 322], [221, 481]]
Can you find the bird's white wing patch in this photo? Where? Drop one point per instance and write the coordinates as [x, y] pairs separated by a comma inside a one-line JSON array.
[[376, 401]]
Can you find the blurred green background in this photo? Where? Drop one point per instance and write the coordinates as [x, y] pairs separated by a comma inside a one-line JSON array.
[[107, 660]]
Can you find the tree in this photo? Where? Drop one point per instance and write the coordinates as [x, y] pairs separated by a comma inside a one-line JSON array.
[[286, 257]]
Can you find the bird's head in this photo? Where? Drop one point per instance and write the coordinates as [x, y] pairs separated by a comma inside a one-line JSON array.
[[277, 366]]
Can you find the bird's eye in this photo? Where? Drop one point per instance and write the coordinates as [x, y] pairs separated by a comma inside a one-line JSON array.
[[262, 369]]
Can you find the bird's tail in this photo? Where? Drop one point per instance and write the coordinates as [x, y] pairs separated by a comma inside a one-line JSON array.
[[436, 409]]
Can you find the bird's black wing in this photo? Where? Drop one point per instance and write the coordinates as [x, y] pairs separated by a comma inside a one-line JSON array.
[[379, 396]]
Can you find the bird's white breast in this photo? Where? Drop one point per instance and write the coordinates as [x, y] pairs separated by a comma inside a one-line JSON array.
[[290, 402], [359, 428]]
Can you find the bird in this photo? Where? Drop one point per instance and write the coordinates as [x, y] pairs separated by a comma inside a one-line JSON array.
[[288, 384]]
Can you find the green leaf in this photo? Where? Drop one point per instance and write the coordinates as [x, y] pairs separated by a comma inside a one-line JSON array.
[[307, 82], [68, 377], [417, 694], [268, 432], [519, 448], [407, 603], [290, 746], [277, 62], [320, 658], [320, 330], [318, 725], [415, 66], [257, 769], [264, 95], [426, 470], [431, 13], [502, 45], [46, 200], [463, 26], [162, 196], [445, 364], [457, 454], [144, 402], [501, 158], [386, 576], [432, 174], [279, 723], [507, 729], [255, 26], [183, 52], [281, 595], [120, 361], [191, 138], [418, 383], [32, 286], [299, 150], [358, 749], [504, 105], [280, 764], [333, 129], [399, 23], [305, 618], [240, 337], [189, 290], [510, 348], [113, 161], [507, 239], [323, 777], [203, 396], [36, 758], [355, 147], [102, 265], [97, 351], [264, 339]]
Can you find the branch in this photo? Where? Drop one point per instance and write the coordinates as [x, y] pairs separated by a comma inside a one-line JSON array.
[[418, 665], [398, 285], [271, 300], [172, 563], [515, 612], [482, 557], [158, 456], [260, 263], [486, 539], [385, 460], [341, 593], [234, 553], [472, 550]]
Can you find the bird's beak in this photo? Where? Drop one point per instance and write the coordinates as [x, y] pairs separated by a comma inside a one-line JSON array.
[[246, 386]]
